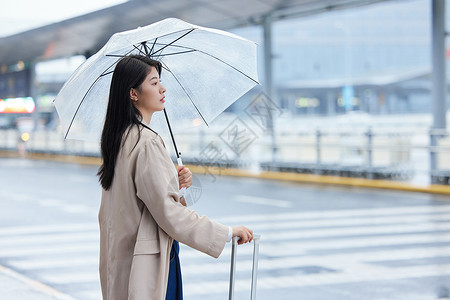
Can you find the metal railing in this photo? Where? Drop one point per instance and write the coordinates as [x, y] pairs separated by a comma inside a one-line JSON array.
[[416, 156]]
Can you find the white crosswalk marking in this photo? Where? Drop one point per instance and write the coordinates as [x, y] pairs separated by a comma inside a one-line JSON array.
[[356, 221], [264, 201], [298, 249], [333, 260], [372, 241], [351, 275], [385, 211], [56, 248], [45, 238], [52, 263], [48, 229], [74, 277]]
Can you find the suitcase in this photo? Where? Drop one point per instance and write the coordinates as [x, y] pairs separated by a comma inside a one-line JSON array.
[[254, 267]]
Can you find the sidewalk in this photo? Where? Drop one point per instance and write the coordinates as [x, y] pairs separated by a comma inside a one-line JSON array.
[[15, 286]]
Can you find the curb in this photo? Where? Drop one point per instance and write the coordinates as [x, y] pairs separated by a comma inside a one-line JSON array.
[[34, 284], [281, 176], [334, 180]]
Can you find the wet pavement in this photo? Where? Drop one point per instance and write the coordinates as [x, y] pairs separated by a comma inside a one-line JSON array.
[[318, 242]]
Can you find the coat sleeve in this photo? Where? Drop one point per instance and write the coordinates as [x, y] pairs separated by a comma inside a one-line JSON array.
[[156, 183]]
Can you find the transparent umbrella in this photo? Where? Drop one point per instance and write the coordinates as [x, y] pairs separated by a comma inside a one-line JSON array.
[[204, 71]]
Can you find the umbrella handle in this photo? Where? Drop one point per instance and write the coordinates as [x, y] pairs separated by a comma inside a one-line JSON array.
[[182, 191]]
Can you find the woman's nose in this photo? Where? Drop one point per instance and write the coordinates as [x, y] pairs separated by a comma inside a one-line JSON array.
[[163, 89]]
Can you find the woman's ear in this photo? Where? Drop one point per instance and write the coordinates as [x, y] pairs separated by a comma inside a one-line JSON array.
[[133, 95]]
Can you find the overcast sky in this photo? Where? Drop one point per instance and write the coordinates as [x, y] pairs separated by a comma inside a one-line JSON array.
[[22, 15]]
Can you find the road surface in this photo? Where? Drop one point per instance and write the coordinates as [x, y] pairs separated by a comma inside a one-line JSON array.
[[318, 242]]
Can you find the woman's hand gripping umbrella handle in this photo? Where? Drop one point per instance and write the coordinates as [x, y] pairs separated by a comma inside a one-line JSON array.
[[182, 191]]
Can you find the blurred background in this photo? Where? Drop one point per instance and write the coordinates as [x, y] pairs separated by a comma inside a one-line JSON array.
[[353, 93]]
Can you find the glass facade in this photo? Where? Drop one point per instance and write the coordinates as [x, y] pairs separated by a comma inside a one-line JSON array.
[[381, 52]]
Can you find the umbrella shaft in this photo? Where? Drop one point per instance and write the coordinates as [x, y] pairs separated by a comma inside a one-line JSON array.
[[171, 134]]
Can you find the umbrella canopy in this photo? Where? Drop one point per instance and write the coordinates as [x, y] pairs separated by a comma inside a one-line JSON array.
[[204, 71]]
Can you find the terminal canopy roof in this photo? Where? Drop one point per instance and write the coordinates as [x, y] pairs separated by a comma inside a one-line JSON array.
[[86, 34]]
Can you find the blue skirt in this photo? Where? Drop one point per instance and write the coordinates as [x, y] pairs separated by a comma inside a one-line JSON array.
[[174, 285]]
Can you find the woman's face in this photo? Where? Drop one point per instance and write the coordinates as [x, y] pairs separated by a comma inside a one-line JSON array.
[[149, 97]]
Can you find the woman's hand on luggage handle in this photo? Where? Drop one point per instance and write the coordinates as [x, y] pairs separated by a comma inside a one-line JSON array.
[[245, 235]]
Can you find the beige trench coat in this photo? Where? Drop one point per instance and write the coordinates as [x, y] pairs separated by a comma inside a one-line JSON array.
[[139, 217]]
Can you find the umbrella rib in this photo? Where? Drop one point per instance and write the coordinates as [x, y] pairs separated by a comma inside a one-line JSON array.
[[165, 68], [144, 45], [84, 97], [173, 42], [182, 52], [75, 114], [201, 115], [187, 51], [172, 33], [115, 55], [104, 74], [179, 46], [215, 57], [138, 50], [153, 46], [233, 67]]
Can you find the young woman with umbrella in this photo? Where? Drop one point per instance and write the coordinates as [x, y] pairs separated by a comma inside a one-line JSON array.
[[141, 215]]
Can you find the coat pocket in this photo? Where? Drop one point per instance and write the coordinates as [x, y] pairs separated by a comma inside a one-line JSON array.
[[146, 247]]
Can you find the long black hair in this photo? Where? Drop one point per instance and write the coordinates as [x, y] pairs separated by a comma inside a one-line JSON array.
[[121, 114]]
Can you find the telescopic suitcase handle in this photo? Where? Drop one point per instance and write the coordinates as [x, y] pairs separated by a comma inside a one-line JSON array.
[[256, 238]]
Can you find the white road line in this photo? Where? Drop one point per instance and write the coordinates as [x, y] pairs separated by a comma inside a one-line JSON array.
[[71, 277], [36, 285], [49, 238], [333, 232], [321, 215], [310, 233], [80, 178], [54, 263], [50, 202], [68, 207], [264, 201], [290, 248], [366, 221], [215, 267], [48, 228], [334, 261], [21, 197], [96, 294], [93, 227], [78, 208], [275, 244], [345, 213], [350, 276], [320, 222], [50, 249], [285, 247]]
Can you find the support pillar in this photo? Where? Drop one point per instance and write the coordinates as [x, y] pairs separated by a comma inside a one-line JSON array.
[[268, 78], [33, 94], [331, 103], [438, 76]]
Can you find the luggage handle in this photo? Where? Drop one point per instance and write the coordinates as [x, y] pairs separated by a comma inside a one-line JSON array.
[[256, 238]]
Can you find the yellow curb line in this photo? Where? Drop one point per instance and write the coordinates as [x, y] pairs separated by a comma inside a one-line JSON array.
[[36, 285], [282, 176], [85, 160], [324, 179]]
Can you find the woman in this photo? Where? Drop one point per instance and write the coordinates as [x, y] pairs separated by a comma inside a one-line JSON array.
[[141, 214]]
